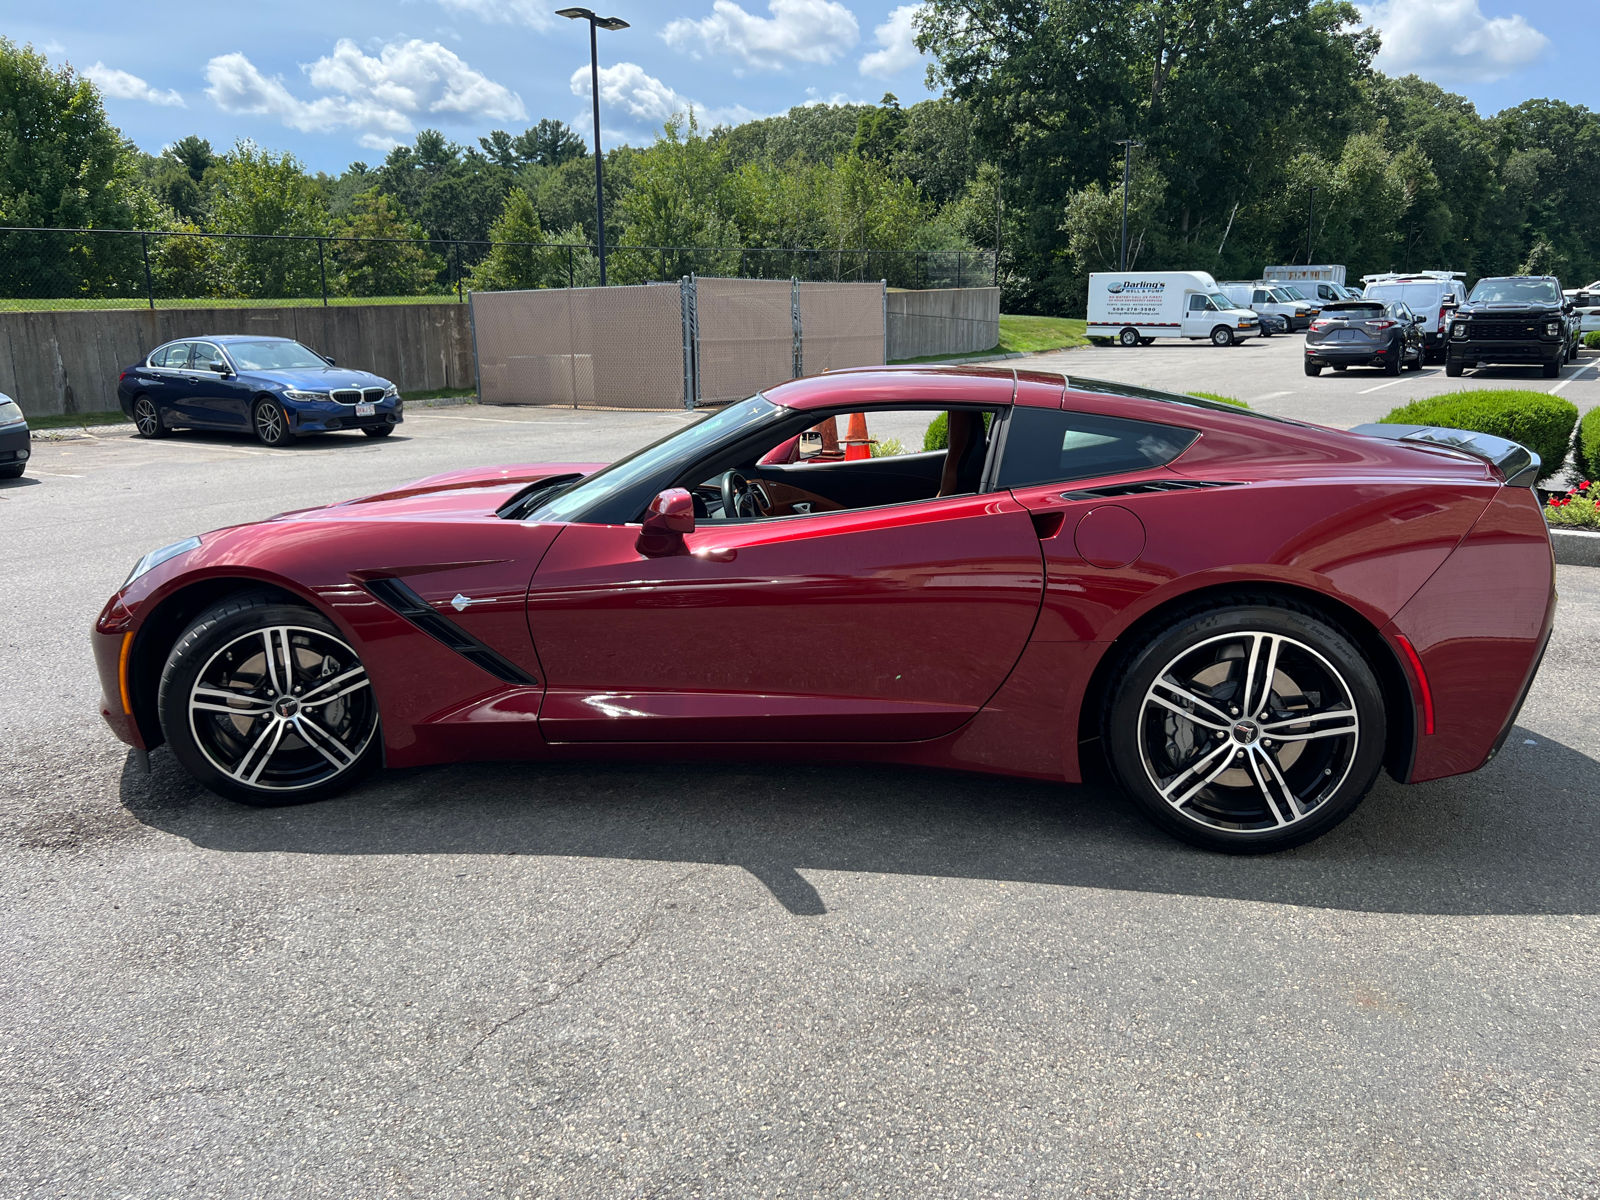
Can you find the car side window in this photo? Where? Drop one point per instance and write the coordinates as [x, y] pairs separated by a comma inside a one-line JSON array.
[[204, 353], [174, 355], [1051, 446], [1197, 303], [1259, 298]]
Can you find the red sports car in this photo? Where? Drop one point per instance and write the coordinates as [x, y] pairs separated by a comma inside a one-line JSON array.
[[1247, 617]]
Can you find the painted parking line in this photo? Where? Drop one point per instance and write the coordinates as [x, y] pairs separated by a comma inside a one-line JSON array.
[[1578, 374], [1381, 386]]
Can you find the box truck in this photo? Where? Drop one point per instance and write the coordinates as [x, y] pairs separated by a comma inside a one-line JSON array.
[[1136, 307], [1318, 282]]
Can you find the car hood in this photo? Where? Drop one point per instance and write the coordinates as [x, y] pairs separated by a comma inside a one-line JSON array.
[[321, 379], [476, 492]]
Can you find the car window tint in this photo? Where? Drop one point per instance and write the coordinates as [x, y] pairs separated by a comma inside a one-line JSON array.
[[275, 356], [1197, 304], [1259, 298], [204, 353], [1046, 446], [175, 355]]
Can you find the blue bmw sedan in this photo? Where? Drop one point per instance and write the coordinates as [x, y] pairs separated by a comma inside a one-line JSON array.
[[272, 387]]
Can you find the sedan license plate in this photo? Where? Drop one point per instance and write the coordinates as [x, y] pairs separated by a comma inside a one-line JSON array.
[[366, 410]]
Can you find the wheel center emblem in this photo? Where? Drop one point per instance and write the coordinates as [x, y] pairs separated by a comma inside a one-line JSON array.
[[286, 707], [1245, 732]]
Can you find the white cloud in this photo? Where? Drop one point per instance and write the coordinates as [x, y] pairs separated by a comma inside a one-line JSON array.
[[897, 44], [807, 31], [1452, 40], [631, 94], [378, 96], [122, 86], [506, 12]]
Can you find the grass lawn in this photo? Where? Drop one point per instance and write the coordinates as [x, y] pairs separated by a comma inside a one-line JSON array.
[[440, 394], [78, 420], [1023, 335]]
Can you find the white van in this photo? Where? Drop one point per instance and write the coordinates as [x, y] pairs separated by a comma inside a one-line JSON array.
[[1136, 307], [1319, 283], [1430, 294], [1279, 311]]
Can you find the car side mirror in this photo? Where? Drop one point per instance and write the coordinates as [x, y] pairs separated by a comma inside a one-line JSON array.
[[1418, 319], [670, 516], [220, 367]]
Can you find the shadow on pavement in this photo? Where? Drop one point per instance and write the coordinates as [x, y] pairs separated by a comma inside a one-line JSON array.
[[1516, 838]]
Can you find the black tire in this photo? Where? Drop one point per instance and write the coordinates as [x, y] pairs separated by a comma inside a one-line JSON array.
[[1147, 341], [1318, 768], [376, 431], [1416, 363], [147, 418], [1129, 337], [1552, 369], [13, 470], [1267, 327], [1452, 368], [1313, 369], [270, 421], [1393, 364], [240, 727], [1222, 336]]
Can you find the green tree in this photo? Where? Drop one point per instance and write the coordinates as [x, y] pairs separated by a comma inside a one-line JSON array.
[[880, 131], [523, 256], [550, 144], [389, 256], [62, 164], [256, 191], [681, 198]]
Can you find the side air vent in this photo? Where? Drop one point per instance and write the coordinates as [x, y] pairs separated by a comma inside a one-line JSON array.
[[421, 614], [1142, 487]]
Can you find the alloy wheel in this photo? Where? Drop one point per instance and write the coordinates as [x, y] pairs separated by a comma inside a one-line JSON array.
[[145, 417], [283, 709], [1248, 732], [269, 423]]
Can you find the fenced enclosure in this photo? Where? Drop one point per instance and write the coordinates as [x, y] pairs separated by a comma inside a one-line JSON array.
[[698, 342], [45, 269]]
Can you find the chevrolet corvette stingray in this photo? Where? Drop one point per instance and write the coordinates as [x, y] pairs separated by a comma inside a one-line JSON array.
[[1246, 618]]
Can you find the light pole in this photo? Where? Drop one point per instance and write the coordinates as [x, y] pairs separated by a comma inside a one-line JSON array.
[[611, 23], [1311, 209], [1128, 147]]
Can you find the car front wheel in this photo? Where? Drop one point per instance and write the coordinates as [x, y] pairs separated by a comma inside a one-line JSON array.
[[267, 704], [1221, 336], [1247, 728], [271, 423], [377, 431]]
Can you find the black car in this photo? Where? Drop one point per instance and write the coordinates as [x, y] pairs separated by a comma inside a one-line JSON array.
[[1514, 319], [15, 441], [1365, 333], [273, 387]]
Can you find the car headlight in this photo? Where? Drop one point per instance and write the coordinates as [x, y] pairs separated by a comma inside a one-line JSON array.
[[1459, 330], [156, 557], [1552, 329], [10, 412], [293, 395], [391, 392]]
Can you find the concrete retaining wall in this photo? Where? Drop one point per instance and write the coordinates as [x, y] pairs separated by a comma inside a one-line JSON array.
[[68, 362], [943, 321]]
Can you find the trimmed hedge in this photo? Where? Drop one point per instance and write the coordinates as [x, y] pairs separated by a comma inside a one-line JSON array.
[[1588, 447], [1592, 340], [1541, 422]]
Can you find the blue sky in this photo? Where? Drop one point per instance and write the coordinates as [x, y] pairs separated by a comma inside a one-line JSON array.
[[344, 80]]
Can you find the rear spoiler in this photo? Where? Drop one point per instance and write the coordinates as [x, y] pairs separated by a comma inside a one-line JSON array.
[[1520, 466]]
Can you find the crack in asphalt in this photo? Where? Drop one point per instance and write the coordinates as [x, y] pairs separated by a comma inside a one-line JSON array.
[[599, 964]]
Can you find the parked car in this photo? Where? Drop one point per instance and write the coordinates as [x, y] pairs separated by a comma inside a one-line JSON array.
[[270, 386], [1295, 294], [1365, 333], [1136, 307], [1586, 308], [1431, 293], [1247, 617], [1514, 319], [1279, 312], [16, 442]]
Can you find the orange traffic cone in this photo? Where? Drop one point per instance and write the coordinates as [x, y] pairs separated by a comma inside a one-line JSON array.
[[856, 442]]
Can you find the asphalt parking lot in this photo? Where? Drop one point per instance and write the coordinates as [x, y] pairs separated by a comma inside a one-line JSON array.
[[761, 980]]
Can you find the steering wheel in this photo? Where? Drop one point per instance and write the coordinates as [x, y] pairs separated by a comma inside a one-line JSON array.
[[737, 496]]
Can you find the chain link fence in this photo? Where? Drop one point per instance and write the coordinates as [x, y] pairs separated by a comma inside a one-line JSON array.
[[49, 269]]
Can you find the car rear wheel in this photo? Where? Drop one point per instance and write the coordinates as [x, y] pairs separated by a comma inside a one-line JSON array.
[[1416, 363], [265, 703], [378, 430], [1222, 336], [1129, 337], [1247, 728], [147, 418], [1392, 364], [1314, 369], [271, 423]]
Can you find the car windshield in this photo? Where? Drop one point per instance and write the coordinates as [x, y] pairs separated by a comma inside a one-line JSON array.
[[1354, 308], [1281, 296], [274, 356], [1515, 291], [681, 446], [1222, 301]]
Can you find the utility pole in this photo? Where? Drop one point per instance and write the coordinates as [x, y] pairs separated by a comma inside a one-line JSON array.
[[613, 24], [1128, 147], [1311, 210]]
